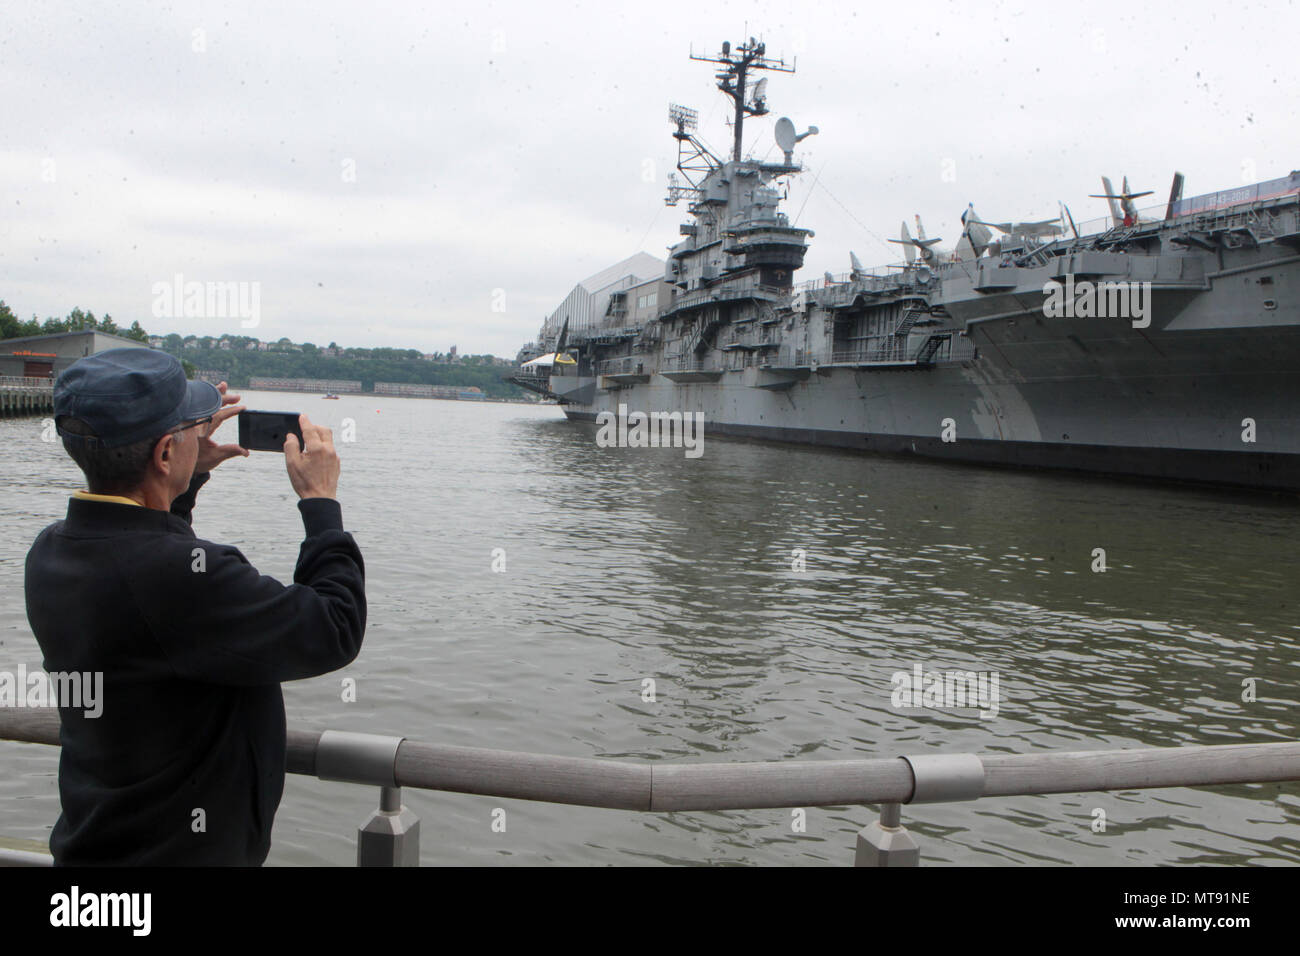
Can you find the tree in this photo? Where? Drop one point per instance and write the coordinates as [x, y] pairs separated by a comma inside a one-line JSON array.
[[136, 332], [10, 327]]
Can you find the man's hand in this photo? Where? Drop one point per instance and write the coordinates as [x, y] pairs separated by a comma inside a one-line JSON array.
[[210, 453], [313, 469]]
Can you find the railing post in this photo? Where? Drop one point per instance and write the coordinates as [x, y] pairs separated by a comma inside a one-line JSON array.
[[391, 837], [886, 842], [936, 778]]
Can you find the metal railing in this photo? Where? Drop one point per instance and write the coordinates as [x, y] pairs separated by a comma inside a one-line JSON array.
[[789, 357], [26, 396], [888, 348], [727, 293], [628, 365], [603, 333], [741, 221], [391, 836], [885, 347], [734, 337], [689, 363], [25, 381], [754, 337]]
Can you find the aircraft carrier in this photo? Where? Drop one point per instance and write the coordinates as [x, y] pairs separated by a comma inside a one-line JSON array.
[[1163, 344]]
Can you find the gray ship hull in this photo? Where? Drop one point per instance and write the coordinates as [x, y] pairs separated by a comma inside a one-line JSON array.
[[1170, 405]]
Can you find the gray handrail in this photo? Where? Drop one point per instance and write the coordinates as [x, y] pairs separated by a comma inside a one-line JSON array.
[[660, 786]]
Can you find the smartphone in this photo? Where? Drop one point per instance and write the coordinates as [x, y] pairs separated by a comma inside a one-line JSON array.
[[266, 431]]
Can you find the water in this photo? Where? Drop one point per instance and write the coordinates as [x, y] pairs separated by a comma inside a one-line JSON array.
[[630, 564]]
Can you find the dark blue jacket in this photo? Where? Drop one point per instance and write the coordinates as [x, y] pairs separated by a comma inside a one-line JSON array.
[[185, 765]]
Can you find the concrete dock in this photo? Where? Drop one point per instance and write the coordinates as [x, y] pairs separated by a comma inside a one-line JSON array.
[[20, 396]]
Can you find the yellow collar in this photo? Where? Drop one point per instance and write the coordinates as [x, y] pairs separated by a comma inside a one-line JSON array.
[[115, 499]]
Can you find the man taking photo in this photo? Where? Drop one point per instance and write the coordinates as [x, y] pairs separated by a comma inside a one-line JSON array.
[[185, 764]]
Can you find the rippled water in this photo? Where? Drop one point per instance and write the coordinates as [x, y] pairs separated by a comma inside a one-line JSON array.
[[627, 564]]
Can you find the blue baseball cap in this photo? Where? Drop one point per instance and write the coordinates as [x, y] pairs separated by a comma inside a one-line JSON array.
[[129, 394]]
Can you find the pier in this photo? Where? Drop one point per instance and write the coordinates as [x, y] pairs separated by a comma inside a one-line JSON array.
[[22, 395], [390, 837]]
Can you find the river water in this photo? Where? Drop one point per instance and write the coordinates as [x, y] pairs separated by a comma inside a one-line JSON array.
[[628, 565]]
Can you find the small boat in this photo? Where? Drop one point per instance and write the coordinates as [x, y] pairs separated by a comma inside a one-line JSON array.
[[329, 396]]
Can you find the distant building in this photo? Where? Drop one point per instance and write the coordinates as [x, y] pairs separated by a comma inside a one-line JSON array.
[[464, 393], [46, 356], [333, 386]]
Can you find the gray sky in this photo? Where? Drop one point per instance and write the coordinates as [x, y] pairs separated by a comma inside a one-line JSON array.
[[522, 146]]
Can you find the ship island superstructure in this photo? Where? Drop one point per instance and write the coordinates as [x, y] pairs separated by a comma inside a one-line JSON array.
[[961, 355]]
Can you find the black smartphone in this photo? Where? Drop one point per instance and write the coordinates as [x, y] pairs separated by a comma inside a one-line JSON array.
[[266, 431]]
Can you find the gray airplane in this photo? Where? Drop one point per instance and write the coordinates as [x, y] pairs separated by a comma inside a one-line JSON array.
[[1122, 210], [920, 245]]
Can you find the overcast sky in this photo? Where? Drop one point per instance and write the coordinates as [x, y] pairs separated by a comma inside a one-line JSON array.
[[382, 169]]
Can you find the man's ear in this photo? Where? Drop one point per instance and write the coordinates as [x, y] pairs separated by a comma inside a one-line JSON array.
[[162, 455]]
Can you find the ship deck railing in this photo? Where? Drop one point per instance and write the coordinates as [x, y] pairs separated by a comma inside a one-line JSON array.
[[843, 288], [628, 365], [762, 337], [603, 334], [530, 374], [690, 363], [891, 349], [1247, 207], [390, 837], [872, 280], [787, 357], [946, 345], [727, 293], [538, 382]]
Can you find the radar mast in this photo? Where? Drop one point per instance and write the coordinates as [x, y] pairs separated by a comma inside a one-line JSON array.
[[734, 76]]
